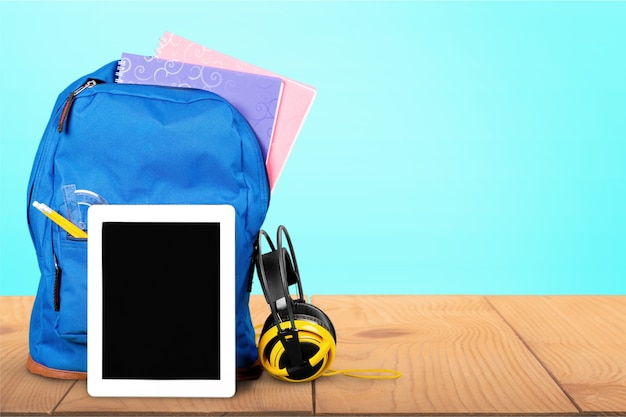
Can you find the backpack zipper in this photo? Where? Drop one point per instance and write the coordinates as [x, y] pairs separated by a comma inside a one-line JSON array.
[[70, 100], [57, 285]]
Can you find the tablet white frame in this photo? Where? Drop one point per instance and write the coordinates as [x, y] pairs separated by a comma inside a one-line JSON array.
[[97, 386]]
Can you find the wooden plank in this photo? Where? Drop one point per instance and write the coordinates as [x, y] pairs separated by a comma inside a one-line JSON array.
[[456, 354], [264, 396], [22, 392], [580, 339]]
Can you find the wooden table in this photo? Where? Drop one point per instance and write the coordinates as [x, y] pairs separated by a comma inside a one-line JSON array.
[[459, 355]]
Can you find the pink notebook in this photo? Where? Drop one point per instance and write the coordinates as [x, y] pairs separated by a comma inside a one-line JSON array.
[[296, 99]]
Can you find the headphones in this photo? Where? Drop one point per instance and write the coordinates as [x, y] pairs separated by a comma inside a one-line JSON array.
[[298, 340]]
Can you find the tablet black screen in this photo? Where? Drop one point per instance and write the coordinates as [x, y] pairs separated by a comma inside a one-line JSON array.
[[161, 302]]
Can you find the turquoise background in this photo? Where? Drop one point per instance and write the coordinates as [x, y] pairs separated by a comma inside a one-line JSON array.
[[454, 147]]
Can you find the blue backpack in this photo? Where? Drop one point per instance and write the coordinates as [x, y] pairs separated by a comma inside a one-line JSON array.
[[109, 143]]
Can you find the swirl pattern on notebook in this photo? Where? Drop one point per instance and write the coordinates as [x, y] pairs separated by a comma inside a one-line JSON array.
[[256, 96]]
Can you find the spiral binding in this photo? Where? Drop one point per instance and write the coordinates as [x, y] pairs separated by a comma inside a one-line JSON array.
[[122, 67]]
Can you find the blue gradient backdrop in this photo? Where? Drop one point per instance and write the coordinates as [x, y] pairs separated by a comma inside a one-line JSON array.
[[454, 147]]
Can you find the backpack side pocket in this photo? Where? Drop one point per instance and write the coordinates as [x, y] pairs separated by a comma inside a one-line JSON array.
[[70, 286]]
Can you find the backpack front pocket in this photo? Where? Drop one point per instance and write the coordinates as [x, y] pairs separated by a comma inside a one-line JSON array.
[[70, 286]]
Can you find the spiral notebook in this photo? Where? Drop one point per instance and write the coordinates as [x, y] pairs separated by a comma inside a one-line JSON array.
[[256, 96], [296, 99]]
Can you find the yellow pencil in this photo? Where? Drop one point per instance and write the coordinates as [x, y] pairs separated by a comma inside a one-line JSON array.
[[65, 224]]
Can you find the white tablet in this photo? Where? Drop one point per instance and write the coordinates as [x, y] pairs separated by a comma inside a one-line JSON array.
[[161, 301]]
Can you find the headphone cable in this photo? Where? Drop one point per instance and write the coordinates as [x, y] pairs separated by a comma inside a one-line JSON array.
[[373, 373]]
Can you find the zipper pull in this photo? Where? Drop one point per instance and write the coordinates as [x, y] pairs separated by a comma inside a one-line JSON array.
[[70, 101]]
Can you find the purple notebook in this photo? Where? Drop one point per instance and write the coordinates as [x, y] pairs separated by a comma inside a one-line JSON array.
[[255, 96]]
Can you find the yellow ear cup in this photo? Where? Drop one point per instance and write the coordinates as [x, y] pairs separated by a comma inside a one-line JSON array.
[[271, 350]]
